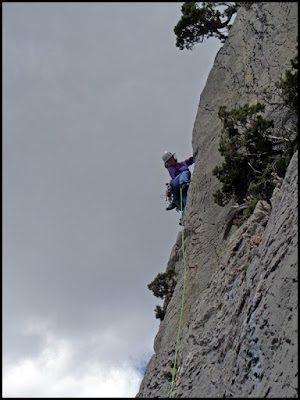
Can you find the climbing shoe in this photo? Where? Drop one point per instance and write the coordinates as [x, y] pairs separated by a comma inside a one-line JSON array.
[[171, 206], [174, 203]]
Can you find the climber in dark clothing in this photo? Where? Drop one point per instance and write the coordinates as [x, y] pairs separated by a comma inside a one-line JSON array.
[[180, 174]]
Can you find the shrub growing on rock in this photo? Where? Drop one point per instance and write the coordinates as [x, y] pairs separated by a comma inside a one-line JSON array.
[[163, 286], [252, 152]]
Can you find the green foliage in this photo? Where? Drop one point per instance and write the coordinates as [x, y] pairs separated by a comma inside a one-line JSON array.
[[253, 156], [198, 23], [163, 286], [289, 85], [159, 313], [248, 153]]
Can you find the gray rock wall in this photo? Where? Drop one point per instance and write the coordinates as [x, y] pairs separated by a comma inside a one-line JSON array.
[[239, 328]]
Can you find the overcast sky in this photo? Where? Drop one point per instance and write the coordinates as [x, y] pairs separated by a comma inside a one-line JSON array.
[[93, 94]]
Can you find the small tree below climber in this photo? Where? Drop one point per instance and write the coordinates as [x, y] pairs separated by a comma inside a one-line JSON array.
[[180, 178]]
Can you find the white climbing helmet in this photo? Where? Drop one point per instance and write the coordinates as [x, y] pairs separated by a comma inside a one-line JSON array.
[[166, 156]]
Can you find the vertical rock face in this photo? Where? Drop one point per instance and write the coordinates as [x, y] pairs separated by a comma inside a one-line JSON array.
[[239, 328]]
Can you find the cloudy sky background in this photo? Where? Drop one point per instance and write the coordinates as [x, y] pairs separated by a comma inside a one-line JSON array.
[[93, 94]]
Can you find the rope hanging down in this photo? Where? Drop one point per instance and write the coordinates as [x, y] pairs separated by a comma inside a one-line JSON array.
[[184, 280]]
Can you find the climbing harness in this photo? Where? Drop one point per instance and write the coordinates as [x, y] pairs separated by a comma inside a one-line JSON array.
[[184, 281]]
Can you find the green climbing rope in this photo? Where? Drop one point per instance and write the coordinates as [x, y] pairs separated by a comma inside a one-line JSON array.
[[181, 311]]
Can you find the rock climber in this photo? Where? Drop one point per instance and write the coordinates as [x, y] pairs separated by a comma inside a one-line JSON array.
[[180, 178]]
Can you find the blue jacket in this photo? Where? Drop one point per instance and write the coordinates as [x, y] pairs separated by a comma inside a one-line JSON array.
[[180, 167]]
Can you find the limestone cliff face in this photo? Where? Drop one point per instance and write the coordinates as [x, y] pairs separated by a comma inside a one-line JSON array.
[[239, 328]]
